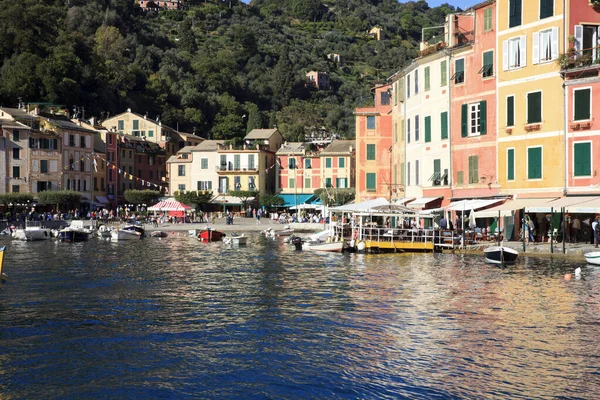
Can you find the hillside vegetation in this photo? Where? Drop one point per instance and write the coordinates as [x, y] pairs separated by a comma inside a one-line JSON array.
[[219, 68]]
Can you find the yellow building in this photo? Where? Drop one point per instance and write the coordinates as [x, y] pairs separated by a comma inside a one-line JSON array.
[[530, 97]]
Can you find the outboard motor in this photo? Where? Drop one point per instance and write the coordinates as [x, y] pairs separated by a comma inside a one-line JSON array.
[[297, 243]]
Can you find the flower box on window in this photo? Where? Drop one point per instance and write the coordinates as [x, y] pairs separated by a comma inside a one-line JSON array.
[[532, 127], [585, 125], [574, 125], [509, 130]]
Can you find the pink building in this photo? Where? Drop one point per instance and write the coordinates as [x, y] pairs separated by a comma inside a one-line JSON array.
[[473, 105], [374, 147]]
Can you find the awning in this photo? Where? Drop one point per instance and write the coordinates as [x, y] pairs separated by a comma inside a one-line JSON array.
[[403, 201], [230, 200], [169, 205], [506, 209], [362, 206], [473, 204], [577, 204], [294, 199], [306, 206], [422, 202], [101, 200]]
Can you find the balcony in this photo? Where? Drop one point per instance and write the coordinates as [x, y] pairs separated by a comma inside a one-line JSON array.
[[578, 64]]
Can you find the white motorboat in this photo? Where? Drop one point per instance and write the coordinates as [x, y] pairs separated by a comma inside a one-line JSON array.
[[125, 234], [334, 247], [75, 234], [500, 255], [32, 233], [103, 232], [592, 257], [234, 239]]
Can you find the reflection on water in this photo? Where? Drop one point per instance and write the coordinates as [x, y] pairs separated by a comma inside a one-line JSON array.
[[178, 318]]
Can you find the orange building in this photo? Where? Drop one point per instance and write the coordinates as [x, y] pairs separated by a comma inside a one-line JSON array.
[[374, 147]]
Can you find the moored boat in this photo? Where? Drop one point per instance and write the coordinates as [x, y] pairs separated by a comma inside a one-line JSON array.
[[32, 233], [159, 234], [235, 239], [334, 247], [500, 255], [75, 234], [125, 234], [592, 257], [210, 235]]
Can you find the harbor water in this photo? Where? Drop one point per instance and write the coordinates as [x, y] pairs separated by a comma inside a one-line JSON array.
[[176, 318]]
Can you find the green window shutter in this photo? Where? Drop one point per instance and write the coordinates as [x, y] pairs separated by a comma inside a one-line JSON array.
[[534, 108], [370, 122], [515, 8], [534, 164], [444, 124], [460, 177], [459, 71], [464, 121], [371, 181], [341, 162], [510, 111], [482, 117], [510, 164], [546, 8], [583, 159], [402, 173], [473, 169], [427, 129], [444, 76], [328, 182], [487, 19], [488, 64], [426, 78], [307, 183], [437, 166], [582, 104], [328, 160], [370, 152]]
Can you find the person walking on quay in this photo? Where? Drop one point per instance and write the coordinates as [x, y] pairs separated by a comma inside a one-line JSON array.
[[596, 231], [258, 214], [575, 227]]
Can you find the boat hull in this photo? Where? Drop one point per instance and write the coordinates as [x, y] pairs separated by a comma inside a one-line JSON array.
[[332, 247], [75, 235], [592, 257], [33, 233], [210, 235], [500, 255], [238, 240], [120, 235]]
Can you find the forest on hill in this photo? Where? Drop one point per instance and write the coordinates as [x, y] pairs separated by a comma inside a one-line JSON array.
[[218, 68]]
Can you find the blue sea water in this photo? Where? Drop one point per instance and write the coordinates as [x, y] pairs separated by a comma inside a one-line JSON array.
[[176, 318]]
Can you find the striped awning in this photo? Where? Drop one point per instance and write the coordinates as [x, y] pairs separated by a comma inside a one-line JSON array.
[[169, 205]]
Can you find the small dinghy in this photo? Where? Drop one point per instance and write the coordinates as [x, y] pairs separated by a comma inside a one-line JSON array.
[[500, 255]]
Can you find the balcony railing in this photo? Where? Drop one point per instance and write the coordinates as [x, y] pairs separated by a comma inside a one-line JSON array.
[[231, 168], [579, 59]]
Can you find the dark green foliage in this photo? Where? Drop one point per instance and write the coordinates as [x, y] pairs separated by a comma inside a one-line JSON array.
[[58, 198], [335, 196], [136, 197], [194, 198], [206, 67], [271, 200], [16, 198]]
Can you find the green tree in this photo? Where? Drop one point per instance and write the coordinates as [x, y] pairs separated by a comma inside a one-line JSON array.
[[60, 199], [244, 195], [271, 200], [138, 197], [197, 198]]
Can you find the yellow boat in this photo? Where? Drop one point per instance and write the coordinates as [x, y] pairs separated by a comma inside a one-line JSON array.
[[3, 276]]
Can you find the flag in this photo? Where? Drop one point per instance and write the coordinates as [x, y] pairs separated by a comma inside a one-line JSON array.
[[95, 165]]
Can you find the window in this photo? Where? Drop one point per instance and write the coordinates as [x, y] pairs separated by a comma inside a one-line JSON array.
[[204, 185], [460, 177], [82, 142], [416, 128], [582, 104], [223, 162], [181, 170], [180, 187], [545, 45], [444, 124], [426, 79], [292, 183], [204, 163], [408, 174], [515, 53], [328, 162], [236, 162], [341, 183], [72, 140], [510, 110], [534, 108], [408, 130], [136, 124], [428, 129], [395, 132], [546, 8], [474, 117], [370, 152], [514, 13], [121, 125], [473, 169], [444, 73], [534, 163], [291, 163], [582, 159], [371, 122], [251, 161], [402, 173], [16, 188], [436, 177], [416, 81], [150, 133], [487, 19], [328, 182], [417, 172], [307, 163], [487, 69], [586, 40], [407, 86], [307, 183], [459, 71], [16, 153], [371, 182], [510, 164], [43, 166], [16, 135], [251, 183], [341, 162], [16, 172], [237, 183], [385, 98]]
